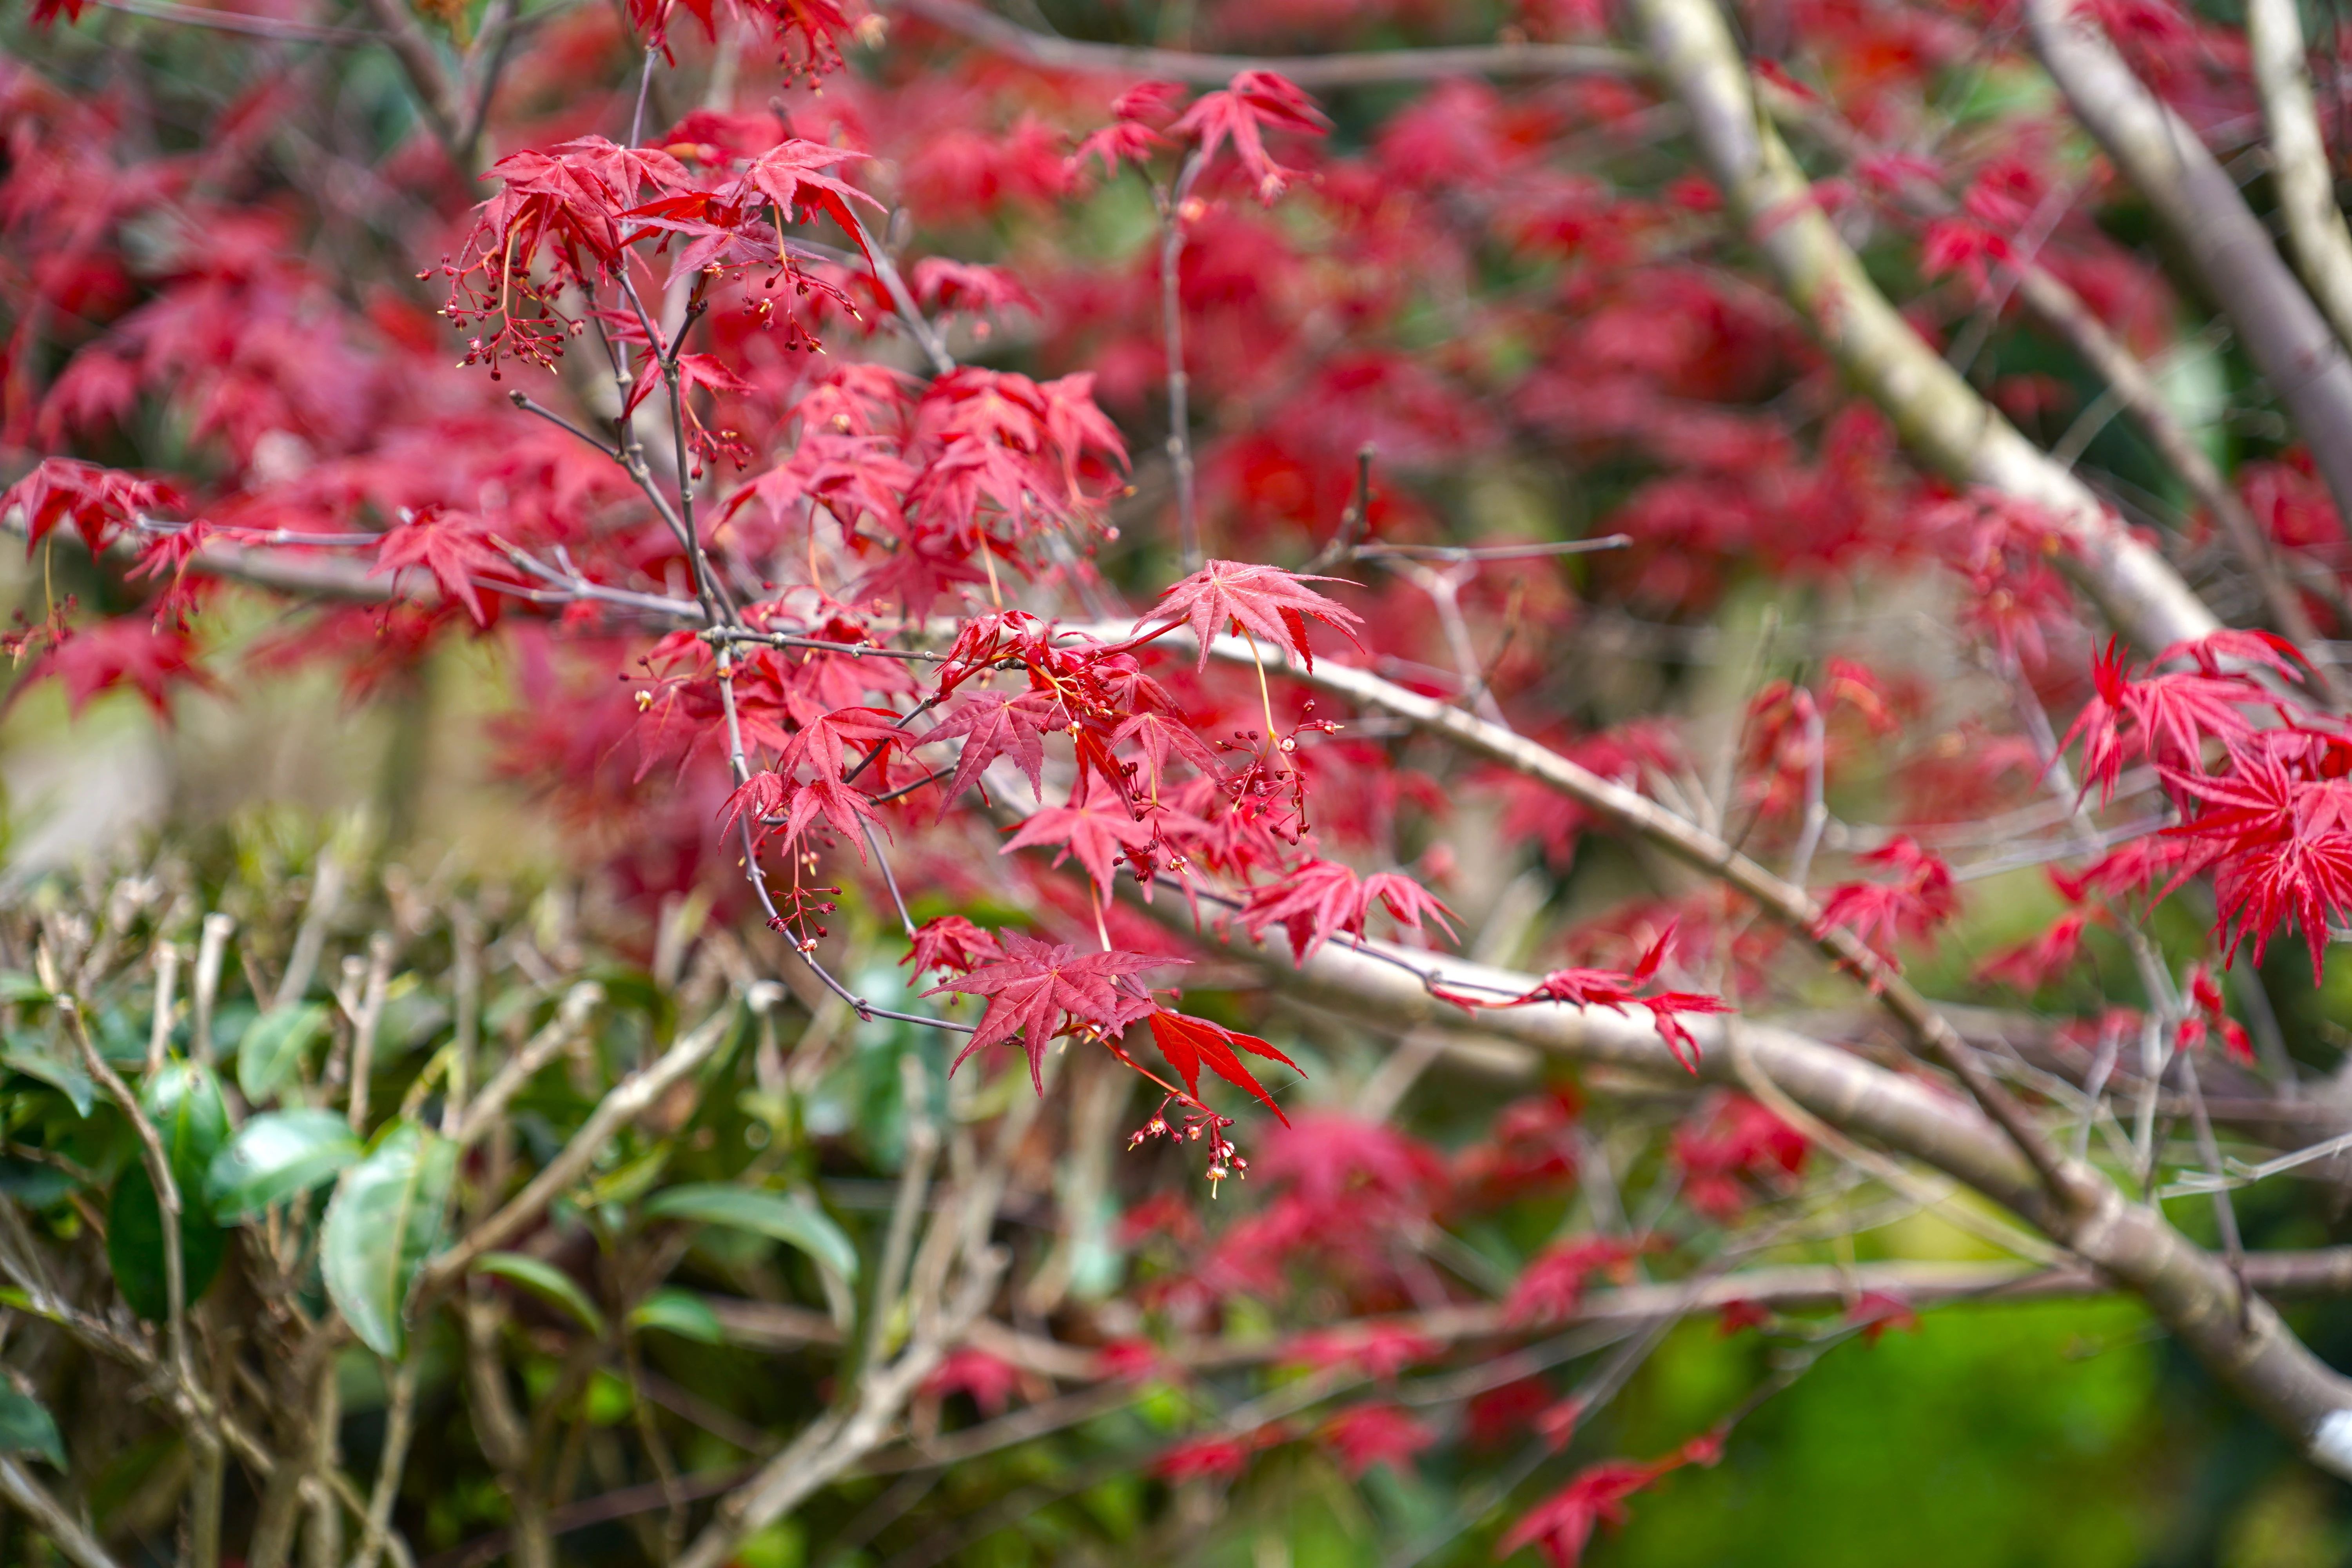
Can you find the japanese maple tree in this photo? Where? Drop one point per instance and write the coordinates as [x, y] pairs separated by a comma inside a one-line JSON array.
[[1195, 579]]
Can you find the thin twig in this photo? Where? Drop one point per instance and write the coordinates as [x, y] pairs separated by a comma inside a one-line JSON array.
[[64, 1531], [1489, 551], [1172, 222], [400, 1425]]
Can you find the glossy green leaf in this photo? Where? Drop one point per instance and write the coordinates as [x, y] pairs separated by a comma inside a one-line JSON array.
[[276, 1155], [680, 1312], [25, 1427], [386, 1218], [794, 1221], [270, 1054], [184, 1102], [547, 1282], [134, 1244], [22, 1055]]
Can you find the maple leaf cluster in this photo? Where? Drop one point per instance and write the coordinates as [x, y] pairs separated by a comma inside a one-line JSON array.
[[1615, 989]]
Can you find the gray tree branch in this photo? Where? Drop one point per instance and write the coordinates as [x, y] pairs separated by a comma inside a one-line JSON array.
[[2225, 245]]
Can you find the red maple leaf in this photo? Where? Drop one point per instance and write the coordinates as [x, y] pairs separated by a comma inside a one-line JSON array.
[[1160, 736], [98, 503], [1551, 1286], [1321, 899], [1615, 989], [1369, 1435], [1875, 1312], [1379, 1350], [2212, 1013], [1258, 599], [994, 725], [950, 286], [2172, 714], [951, 945], [821, 744], [1099, 836], [1037, 989], [1188, 1043], [788, 176], [990, 1379], [1214, 1458], [1917, 902], [1561, 1526], [120, 653], [1256, 101], [2031, 965], [1121, 141], [2260, 886], [454, 546], [2279, 846], [758, 797], [1739, 1141], [1310, 904], [694, 372]]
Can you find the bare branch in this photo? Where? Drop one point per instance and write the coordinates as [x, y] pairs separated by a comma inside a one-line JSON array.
[[1938, 413], [1364, 69], [251, 27], [2299, 162], [2130, 383], [634, 1095], [66, 1531], [1791, 906], [1172, 223], [571, 1019], [2200, 205], [429, 80], [2190, 1291], [400, 1426]]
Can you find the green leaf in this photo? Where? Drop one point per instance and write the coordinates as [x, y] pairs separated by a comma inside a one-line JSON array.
[[25, 1427], [21, 1055], [15, 985], [270, 1054], [134, 1244], [184, 1102], [793, 1221], [34, 1185], [119, 1040], [680, 1312], [275, 1155], [547, 1282], [386, 1218], [633, 1180]]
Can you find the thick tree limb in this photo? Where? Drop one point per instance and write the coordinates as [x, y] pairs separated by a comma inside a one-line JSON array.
[[2299, 166], [2241, 1340], [2199, 206], [1938, 413], [2319, 1274], [2058, 308], [1789, 906]]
